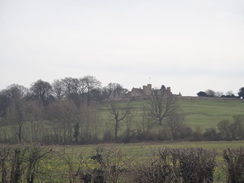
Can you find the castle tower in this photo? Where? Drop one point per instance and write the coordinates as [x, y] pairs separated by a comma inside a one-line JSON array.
[[169, 90], [147, 90]]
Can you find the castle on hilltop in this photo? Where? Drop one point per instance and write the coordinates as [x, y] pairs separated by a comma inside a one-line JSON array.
[[147, 90], [140, 93]]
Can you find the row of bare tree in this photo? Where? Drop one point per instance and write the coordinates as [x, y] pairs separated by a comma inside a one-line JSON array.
[[69, 111], [80, 90], [75, 111], [53, 112]]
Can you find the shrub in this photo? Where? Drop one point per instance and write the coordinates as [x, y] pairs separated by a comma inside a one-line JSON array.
[[235, 164], [211, 134], [178, 165], [154, 172], [196, 165], [108, 168]]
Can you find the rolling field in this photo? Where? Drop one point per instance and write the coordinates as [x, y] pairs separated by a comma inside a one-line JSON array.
[[69, 163], [201, 114], [136, 154], [207, 113], [143, 150]]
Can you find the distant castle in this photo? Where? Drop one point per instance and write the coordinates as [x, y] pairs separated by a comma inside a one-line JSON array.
[[140, 93], [147, 90]]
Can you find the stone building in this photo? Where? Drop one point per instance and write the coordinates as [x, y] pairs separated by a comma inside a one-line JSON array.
[[141, 93], [147, 90]]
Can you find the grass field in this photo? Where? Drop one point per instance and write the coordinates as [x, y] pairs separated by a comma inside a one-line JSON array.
[[144, 149], [198, 113], [207, 113], [135, 154], [63, 164], [71, 163]]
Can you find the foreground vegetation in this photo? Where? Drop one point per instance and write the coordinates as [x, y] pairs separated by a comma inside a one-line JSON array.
[[170, 162]]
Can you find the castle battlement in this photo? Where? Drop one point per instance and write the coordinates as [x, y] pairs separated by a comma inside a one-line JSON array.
[[142, 93]]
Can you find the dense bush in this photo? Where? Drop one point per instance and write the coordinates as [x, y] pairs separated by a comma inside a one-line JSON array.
[[179, 165], [21, 163], [160, 169], [232, 130], [211, 134], [235, 165]]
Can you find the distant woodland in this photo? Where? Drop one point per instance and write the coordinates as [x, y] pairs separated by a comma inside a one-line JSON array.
[[80, 111]]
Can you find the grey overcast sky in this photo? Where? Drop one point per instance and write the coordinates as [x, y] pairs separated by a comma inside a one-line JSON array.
[[189, 45]]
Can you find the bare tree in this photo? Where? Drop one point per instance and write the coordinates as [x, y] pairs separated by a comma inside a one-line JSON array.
[[58, 89], [114, 88], [71, 85], [118, 114], [175, 123], [15, 111], [42, 91], [162, 105], [63, 115], [15, 116], [90, 84], [34, 113], [224, 129], [146, 121], [71, 88], [232, 130], [164, 110], [5, 101], [89, 122]]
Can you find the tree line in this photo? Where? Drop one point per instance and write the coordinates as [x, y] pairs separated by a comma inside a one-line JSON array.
[[80, 111], [229, 94], [69, 111], [53, 113]]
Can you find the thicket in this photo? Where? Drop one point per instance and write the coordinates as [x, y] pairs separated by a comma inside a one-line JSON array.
[[22, 163], [179, 165], [35, 163]]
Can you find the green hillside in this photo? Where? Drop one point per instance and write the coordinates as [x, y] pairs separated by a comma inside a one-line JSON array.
[[207, 113], [92, 124], [204, 113]]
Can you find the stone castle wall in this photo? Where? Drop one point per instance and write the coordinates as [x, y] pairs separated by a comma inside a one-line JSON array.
[[147, 89]]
